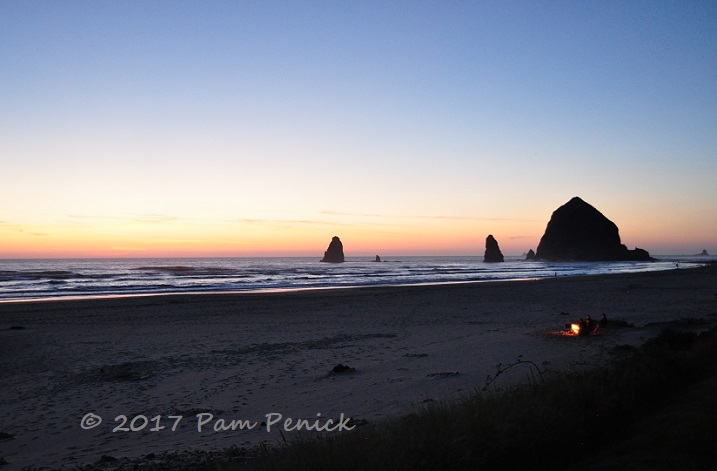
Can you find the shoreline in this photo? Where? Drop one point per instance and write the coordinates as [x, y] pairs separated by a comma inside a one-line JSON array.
[[246, 355], [57, 282], [273, 291], [268, 291]]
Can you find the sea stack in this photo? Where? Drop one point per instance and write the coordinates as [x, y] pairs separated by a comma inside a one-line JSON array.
[[492, 251], [335, 252], [579, 232], [530, 255], [378, 259]]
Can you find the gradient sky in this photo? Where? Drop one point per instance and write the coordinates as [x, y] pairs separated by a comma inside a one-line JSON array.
[[238, 128]]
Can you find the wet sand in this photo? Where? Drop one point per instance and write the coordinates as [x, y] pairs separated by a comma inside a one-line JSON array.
[[248, 356]]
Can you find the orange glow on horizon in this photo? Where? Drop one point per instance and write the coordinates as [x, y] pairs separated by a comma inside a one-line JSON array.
[[155, 236], [238, 239]]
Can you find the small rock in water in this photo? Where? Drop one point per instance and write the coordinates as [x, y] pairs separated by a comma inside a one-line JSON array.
[[492, 251], [335, 252]]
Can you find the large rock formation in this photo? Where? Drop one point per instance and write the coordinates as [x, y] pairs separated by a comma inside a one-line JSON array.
[[530, 255], [492, 251], [335, 252], [578, 231]]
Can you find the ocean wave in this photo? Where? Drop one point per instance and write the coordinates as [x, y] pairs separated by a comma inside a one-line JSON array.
[[22, 279], [190, 271], [10, 275]]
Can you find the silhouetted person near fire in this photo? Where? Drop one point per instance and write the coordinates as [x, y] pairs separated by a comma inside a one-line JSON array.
[[582, 323], [603, 321], [590, 324]]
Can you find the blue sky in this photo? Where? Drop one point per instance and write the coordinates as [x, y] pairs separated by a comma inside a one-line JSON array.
[[235, 126]]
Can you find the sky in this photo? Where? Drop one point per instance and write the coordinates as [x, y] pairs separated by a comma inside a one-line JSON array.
[[242, 128]]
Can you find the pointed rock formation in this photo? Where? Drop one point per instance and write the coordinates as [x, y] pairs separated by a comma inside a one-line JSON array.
[[335, 252], [530, 255], [378, 259], [492, 251], [578, 231]]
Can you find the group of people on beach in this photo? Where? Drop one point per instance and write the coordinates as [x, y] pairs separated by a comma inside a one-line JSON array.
[[588, 326]]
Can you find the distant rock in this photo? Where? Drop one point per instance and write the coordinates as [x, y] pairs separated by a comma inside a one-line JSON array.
[[703, 253], [378, 259], [639, 255], [335, 252], [530, 255], [492, 251], [578, 231]]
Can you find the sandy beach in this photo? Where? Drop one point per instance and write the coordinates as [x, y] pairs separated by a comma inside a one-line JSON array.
[[214, 358]]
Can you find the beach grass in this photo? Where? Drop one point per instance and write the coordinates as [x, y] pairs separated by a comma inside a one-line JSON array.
[[651, 408]]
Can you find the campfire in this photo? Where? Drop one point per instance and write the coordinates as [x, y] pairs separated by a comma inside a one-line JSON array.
[[586, 326], [575, 329], [583, 327]]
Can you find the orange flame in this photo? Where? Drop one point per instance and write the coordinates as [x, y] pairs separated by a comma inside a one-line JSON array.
[[575, 328]]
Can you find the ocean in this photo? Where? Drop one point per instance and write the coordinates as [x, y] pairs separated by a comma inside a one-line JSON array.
[[52, 278]]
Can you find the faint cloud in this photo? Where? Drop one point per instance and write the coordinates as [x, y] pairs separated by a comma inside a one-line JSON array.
[[292, 221], [144, 218], [314, 222], [10, 225], [20, 228], [152, 218], [85, 217], [423, 216]]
